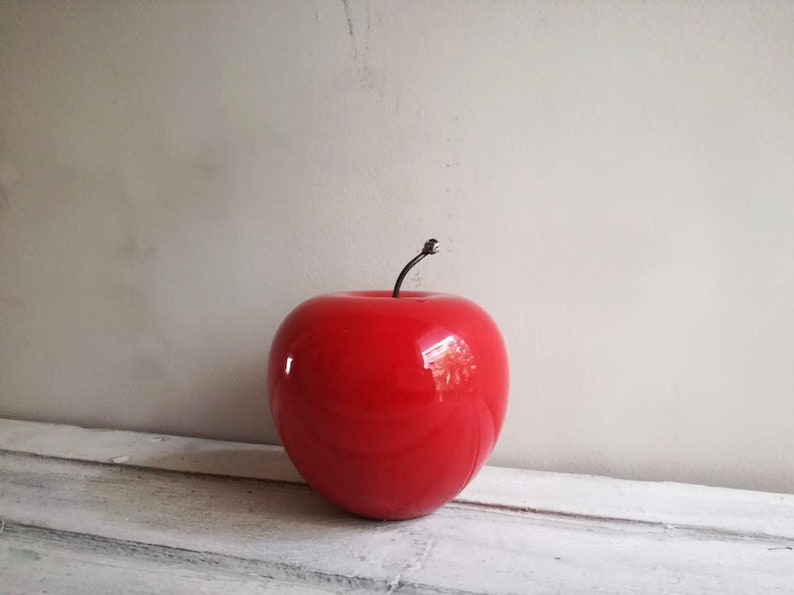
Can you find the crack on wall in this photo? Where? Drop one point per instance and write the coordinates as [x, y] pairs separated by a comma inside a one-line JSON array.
[[361, 46], [351, 32]]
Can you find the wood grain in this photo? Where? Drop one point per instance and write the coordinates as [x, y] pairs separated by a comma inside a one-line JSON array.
[[664, 503], [82, 526]]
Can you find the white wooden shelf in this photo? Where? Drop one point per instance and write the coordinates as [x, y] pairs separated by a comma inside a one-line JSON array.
[[104, 511]]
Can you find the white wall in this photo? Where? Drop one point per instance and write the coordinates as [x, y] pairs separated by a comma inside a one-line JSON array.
[[613, 181]]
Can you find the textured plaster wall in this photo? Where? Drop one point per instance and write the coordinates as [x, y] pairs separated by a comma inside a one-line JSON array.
[[613, 181]]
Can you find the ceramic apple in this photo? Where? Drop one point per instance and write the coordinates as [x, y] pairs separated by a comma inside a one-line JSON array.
[[388, 403]]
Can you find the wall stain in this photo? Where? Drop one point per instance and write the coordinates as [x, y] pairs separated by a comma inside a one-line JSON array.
[[8, 175], [418, 280], [367, 38], [12, 300]]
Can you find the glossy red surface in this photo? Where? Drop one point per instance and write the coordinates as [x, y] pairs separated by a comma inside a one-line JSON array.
[[386, 406]]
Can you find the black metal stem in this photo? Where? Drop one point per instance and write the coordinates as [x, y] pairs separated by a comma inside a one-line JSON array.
[[430, 247]]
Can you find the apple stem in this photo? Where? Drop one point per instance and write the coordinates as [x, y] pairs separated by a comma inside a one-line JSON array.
[[430, 247]]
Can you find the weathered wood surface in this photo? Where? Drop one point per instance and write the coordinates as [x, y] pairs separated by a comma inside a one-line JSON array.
[[175, 453], [664, 503], [81, 526], [40, 561]]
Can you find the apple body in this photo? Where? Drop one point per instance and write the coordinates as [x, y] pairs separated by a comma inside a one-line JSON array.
[[388, 406]]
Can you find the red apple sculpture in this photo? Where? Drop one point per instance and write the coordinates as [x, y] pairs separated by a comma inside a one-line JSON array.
[[388, 403]]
